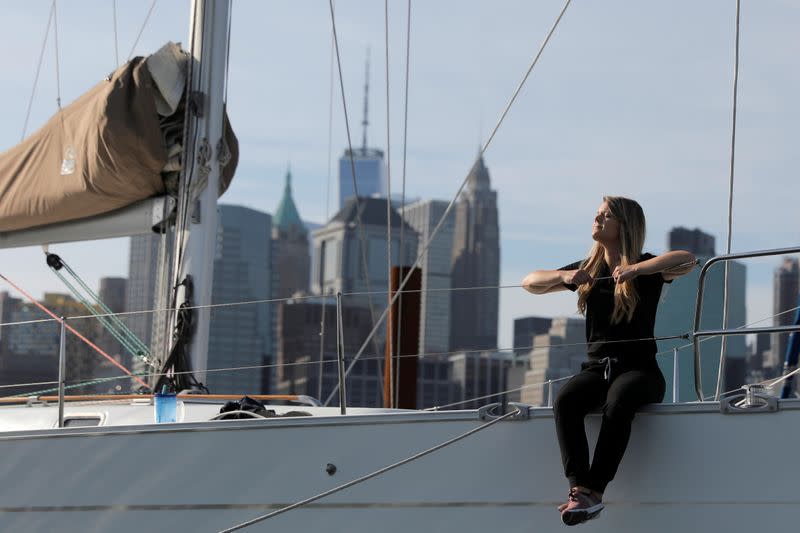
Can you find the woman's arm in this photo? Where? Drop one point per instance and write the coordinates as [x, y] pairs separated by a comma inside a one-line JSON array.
[[544, 281], [671, 265]]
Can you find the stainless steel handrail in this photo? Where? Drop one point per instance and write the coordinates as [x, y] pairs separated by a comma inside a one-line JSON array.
[[697, 333]]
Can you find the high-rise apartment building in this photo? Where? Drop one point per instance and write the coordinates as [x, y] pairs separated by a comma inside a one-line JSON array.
[[30, 352], [691, 240], [555, 355], [676, 316], [423, 216], [114, 293], [241, 335], [525, 329], [143, 264], [477, 375], [475, 263], [785, 293], [307, 358]]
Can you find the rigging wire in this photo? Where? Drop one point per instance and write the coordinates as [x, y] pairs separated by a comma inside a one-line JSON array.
[[377, 357], [116, 37], [141, 30], [453, 201], [515, 411], [327, 216], [730, 201], [312, 297], [58, 68], [38, 70], [389, 334], [73, 330], [403, 199], [361, 235]]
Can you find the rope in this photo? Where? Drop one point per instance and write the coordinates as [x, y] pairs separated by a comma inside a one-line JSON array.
[[67, 326], [730, 203], [451, 204], [141, 30], [38, 69], [361, 236], [372, 474], [114, 326]]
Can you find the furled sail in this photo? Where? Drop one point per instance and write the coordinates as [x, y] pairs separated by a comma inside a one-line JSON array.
[[119, 143]]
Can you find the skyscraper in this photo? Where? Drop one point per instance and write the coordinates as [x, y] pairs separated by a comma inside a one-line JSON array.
[[423, 216], [370, 171], [298, 352], [525, 329], [676, 316], [338, 261], [475, 262], [785, 285], [142, 272], [367, 163], [691, 240], [113, 293], [556, 354], [290, 250], [241, 335], [476, 375], [146, 263]]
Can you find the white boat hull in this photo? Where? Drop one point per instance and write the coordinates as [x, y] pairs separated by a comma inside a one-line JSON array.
[[688, 468]]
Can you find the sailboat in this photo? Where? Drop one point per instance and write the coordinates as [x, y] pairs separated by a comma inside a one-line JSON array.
[[106, 466]]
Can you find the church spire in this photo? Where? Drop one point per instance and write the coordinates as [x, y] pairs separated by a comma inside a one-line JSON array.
[[286, 215], [365, 122]]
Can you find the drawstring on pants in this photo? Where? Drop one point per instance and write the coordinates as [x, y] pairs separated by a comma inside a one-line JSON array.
[[607, 369]]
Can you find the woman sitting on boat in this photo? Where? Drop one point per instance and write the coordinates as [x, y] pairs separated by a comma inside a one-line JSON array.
[[618, 291]]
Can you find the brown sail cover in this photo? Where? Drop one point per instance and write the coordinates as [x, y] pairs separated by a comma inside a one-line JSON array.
[[119, 153]]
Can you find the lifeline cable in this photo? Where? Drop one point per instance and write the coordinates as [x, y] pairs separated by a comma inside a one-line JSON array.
[[372, 474]]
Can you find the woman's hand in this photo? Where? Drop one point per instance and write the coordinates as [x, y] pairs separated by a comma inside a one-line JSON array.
[[622, 274], [576, 277]]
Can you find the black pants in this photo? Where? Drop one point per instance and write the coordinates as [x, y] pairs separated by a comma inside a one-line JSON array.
[[626, 390]]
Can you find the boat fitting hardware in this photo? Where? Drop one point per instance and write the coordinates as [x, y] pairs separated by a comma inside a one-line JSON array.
[[196, 103], [490, 412], [330, 468], [754, 399]]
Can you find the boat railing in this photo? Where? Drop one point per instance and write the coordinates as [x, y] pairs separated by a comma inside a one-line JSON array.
[[698, 333]]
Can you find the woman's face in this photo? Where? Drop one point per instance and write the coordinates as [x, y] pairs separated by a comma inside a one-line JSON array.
[[606, 226]]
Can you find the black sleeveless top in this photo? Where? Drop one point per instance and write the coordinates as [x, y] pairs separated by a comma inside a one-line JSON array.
[[600, 307]]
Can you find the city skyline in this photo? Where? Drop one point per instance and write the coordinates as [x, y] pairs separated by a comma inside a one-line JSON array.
[[594, 118]]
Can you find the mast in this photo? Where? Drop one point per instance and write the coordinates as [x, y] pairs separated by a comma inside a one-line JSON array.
[[205, 156]]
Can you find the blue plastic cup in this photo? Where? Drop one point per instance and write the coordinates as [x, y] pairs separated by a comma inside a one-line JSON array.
[[166, 407]]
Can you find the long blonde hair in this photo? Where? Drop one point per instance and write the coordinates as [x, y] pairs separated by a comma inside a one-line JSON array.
[[630, 216]]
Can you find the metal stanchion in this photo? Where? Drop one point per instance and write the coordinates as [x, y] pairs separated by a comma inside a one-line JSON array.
[[340, 353], [675, 374], [62, 371]]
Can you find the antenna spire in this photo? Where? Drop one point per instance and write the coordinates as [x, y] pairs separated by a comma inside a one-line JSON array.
[[365, 122]]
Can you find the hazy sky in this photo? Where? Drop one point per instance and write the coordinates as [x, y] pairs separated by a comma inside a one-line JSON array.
[[629, 98]]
